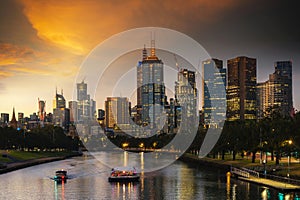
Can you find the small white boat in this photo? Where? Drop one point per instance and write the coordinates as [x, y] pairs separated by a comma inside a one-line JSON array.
[[123, 174], [60, 176]]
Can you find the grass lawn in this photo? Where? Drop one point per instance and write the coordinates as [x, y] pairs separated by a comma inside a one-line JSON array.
[[26, 155]]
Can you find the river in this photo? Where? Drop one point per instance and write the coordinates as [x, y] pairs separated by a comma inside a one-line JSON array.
[[88, 180]]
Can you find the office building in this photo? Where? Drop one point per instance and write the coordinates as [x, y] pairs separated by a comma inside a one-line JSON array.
[[86, 106], [241, 88], [41, 112], [275, 95], [151, 90], [214, 92], [61, 114], [186, 108], [117, 112]]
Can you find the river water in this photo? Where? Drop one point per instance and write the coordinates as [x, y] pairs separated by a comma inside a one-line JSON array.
[[88, 180]]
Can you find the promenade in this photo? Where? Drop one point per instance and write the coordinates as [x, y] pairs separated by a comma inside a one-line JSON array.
[[245, 170], [271, 183]]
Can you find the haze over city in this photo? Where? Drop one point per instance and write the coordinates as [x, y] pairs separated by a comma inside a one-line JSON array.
[[43, 43]]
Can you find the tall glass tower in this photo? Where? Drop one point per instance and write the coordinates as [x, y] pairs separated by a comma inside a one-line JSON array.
[[151, 89], [214, 94]]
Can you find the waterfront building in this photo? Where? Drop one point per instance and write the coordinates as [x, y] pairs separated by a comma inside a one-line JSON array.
[[151, 90], [214, 92], [117, 112], [281, 92], [241, 88], [186, 98], [263, 94], [276, 93]]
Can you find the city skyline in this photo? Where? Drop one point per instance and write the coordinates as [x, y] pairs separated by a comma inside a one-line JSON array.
[[40, 51]]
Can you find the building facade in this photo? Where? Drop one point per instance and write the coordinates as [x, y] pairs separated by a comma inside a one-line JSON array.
[[86, 107], [214, 92], [186, 108], [61, 114], [151, 89], [117, 112], [241, 88], [276, 93]]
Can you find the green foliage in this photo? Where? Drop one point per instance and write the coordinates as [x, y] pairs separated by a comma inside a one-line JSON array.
[[43, 138]]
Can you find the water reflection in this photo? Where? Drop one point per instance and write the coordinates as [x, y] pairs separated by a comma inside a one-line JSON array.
[[59, 190], [88, 180], [124, 190]]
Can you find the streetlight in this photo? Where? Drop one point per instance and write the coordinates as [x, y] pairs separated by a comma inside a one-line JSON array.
[[265, 171], [288, 174]]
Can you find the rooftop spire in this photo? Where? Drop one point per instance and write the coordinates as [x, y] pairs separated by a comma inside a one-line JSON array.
[[13, 122], [145, 53], [152, 45]]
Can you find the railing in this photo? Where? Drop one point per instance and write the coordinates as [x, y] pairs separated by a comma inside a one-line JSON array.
[[282, 179], [244, 172]]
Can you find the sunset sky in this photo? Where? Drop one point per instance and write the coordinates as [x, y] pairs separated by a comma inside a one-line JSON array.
[[43, 43]]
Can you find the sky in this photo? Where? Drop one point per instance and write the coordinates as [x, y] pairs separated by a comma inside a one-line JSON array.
[[43, 43]]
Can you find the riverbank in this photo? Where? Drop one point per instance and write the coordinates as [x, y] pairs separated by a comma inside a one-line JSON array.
[[291, 169], [13, 160]]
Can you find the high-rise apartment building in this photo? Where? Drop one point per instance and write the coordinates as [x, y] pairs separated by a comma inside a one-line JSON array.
[[281, 91], [151, 89], [241, 88], [117, 111], [276, 93], [263, 94], [73, 106], [185, 98], [42, 112], [214, 92]]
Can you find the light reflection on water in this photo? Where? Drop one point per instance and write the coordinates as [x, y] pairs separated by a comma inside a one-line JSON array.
[[88, 180]]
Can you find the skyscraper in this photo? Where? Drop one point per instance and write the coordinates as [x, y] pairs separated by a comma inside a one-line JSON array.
[[276, 93], [117, 111], [241, 88], [185, 98], [61, 114], [86, 106], [281, 92], [73, 106], [59, 100], [42, 112], [151, 89], [263, 94], [214, 93]]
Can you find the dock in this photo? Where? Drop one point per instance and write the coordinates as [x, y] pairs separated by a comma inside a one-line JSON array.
[[254, 177]]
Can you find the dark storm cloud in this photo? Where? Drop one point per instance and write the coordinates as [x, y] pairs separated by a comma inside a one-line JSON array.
[[15, 27]]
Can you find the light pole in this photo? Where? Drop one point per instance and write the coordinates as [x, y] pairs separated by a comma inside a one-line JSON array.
[[265, 171], [289, 157]]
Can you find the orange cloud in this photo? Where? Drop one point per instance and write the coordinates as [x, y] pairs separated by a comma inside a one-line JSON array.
[[78, 26], [16, 59], [12, 54]]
